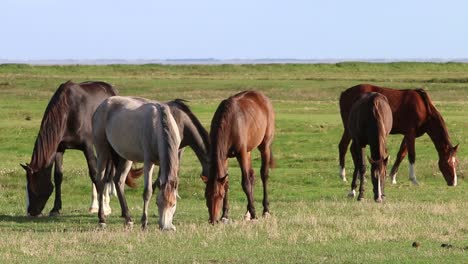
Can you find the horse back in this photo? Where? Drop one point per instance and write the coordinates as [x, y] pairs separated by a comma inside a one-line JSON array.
[[370, 118], [410, 109], [247, 118]]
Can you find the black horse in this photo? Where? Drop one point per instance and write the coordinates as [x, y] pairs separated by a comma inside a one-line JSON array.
[[66, 125]]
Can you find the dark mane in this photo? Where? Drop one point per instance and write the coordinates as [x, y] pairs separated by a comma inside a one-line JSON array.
[[52, 128], [180, 104], [434, 114], [219, 126]]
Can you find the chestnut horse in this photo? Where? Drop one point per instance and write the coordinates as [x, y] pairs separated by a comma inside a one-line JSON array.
[[241, 123], [413, 115], [369, 123]]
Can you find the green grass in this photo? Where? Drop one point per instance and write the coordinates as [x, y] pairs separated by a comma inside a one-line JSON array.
[[312, 219]]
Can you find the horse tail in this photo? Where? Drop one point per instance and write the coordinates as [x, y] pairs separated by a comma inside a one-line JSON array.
[[427, 100], [169, 146], [132, 176]]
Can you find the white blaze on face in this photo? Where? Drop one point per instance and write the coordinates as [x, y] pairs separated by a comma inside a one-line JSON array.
[[166, 214], [454, 171]]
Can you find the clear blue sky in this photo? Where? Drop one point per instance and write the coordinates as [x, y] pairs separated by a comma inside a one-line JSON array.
[[246, 29]]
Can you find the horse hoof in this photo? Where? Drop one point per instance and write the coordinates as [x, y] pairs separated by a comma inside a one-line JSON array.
[[129, 225], [225, 220], [415, 182], [247, 216], [266, 215], [93, 210], [54, 213], [102, 225], [170, 228], [352, 194]]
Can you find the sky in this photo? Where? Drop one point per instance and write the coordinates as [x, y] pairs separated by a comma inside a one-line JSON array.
[[237, 29]]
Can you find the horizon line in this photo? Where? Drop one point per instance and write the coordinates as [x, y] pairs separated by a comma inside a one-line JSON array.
[[215, 61]]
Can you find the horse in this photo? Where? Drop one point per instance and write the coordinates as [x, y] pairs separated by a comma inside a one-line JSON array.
[[414, 114], [126, 130], [369, 123], [241, 123], [66, 124], [192, 134]]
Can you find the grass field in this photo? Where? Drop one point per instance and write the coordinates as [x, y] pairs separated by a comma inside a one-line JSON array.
[[312, 219]]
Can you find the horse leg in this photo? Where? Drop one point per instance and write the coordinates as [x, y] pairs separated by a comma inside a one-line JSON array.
[[99, 182], [354, 153], [123, 168], [58, 177], [265, 152], [343, 147], [411, 156], [400, 156], [247, 183], [362, 171], [225, 215], [147, 193], [92, 171]]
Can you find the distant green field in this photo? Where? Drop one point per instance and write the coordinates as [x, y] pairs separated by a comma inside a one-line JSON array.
[[312, 221]]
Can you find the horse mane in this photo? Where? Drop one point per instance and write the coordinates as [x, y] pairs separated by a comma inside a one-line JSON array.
[[171, 144], [219, 126], [52, 127], [382, 130], [434, 114], [180, 104]]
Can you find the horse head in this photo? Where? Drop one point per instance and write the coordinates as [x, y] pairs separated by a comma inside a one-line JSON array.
[[214, 194], [167, 203], [378, 175], [38, 189], [448, 165]]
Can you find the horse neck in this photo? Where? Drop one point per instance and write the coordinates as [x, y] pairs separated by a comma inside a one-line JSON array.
[[437, 131], [219, 153], [196, 137], [50, 133]]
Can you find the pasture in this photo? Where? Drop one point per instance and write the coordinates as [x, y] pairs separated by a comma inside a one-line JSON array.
[[312, 219]]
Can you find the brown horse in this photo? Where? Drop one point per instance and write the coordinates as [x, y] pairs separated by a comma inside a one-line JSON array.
[[369, 123], [413, 115], [241, 123], [66, 125]]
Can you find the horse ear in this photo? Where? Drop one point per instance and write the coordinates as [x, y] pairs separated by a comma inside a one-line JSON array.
[[455, 148], [204, 178], [27, 168]]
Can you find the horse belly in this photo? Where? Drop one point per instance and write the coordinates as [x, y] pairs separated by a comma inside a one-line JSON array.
[[125, 140]]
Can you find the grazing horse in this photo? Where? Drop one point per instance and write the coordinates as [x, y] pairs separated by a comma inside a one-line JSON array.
[[241, 123], [126, 130], [192, 133], [66, 125], [413, 115], [369, 123]]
